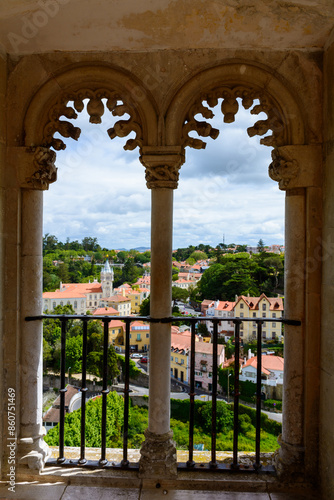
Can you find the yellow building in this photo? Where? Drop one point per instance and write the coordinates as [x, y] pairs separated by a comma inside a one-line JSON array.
[[139, 336], [137, 296], [116, 335], [180, 360], [259, 307]]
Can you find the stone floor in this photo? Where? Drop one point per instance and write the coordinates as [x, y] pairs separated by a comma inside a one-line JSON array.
[[61, 491], [73, 483]]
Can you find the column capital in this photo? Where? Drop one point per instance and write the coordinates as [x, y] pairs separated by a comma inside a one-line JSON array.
[[296, 166], [162, 165], [34, 166]]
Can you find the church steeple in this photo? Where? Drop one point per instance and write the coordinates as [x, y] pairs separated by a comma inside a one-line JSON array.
[[107, 278]]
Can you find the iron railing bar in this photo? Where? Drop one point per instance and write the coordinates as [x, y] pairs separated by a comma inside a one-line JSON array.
[[105, 391], [191, 462], [257, 464], [125, 461], [235, 464], [62, 391], [82, 459], [213, 462], [157, 320], [128, 319]]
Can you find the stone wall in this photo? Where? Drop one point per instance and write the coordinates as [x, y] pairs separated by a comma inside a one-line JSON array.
[[327, 337]]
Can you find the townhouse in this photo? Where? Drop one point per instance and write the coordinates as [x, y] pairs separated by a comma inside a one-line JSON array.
[[260, 308]]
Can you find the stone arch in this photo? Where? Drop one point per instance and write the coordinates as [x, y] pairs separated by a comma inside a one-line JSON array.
[[94, 82], [231, 81]]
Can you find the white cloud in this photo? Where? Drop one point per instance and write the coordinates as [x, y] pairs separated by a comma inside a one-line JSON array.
[[223, 190]]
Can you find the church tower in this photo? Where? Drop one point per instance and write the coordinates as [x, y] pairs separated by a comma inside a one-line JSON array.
[[107, 278]]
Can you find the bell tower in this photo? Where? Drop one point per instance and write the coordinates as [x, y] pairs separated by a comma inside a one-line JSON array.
[[107, 278]]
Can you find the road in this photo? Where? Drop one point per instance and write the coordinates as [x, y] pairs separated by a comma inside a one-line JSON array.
[[143, 391]]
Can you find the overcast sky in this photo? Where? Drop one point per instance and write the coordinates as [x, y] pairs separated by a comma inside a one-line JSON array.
[[223, 190]]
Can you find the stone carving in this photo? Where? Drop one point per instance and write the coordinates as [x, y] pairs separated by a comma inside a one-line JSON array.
[[162, 176], [283, 168], [95, 109], [229, 108], [46, 171], [158, 456]]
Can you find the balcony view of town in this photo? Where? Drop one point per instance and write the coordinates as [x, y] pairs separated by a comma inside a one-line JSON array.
[[223, 283]]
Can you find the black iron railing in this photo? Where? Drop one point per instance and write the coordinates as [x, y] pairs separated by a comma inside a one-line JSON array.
[[190, 464]]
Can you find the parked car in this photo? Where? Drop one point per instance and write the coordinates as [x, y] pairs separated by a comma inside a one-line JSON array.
[[144, 359], [136, 355]]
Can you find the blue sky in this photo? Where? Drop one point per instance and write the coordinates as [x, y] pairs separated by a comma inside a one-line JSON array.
[[223, 190]]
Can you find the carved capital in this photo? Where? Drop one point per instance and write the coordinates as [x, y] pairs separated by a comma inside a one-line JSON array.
[[295, 166], [45, 170], [158, 456], [283, 168], [162, 166]]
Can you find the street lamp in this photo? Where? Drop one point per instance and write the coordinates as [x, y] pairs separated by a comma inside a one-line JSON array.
[[228, 385]]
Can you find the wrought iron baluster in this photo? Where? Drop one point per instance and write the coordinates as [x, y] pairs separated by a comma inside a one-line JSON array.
[[190, 462], [125, 461], [257, 464], [213, 462], [235, 464], [62, 390], [105, 391], [82, 459]]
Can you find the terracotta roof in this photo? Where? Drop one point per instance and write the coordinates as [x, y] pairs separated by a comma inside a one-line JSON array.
[[269, 362], [275, 303], [52, 415], [206, 348], [224, 305], [115, 323], [64, 295], [94, 287], [207, 302], [105, 311], [117, 298]]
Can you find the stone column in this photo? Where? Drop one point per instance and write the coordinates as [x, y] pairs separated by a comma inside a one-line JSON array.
[[37, 172], [158, 453], [292, 441], [32, 448], [298, 171]]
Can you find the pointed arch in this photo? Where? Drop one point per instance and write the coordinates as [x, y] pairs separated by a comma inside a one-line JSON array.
[[230, 82]]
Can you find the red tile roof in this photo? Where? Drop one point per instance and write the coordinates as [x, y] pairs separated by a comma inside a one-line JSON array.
[[105, 311], [269, 363]]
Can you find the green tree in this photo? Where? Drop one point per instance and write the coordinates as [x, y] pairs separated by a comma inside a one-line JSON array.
[[144, 309], [89, 243], [74, 354], [198, 255], [260, 246], [50, 243], [179, 294]]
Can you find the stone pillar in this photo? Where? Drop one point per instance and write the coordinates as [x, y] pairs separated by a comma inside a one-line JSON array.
[[158, 453], [298, 171], [32, 448], [35, 170], [292, 442]]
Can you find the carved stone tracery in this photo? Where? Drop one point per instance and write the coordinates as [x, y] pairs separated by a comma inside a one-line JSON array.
[[229, 108], [95, 108]]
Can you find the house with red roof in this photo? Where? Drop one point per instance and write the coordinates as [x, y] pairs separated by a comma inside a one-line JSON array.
[[272, 369], [260, 308], [221, 309], [82, 297]]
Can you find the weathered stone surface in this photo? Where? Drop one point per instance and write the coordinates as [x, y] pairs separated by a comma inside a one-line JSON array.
[[158, 456]]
